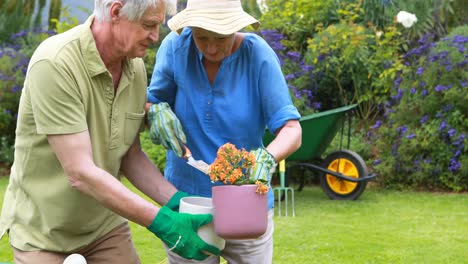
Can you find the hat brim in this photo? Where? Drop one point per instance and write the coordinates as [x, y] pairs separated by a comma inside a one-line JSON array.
[[222, 23]]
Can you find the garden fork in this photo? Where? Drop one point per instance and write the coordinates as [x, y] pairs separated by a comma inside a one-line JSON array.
[[283, 188]]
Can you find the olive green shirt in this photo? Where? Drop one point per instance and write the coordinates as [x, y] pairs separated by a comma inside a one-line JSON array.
[[68, 90]]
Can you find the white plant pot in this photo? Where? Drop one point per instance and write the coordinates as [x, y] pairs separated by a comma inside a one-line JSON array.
[[202, 205]]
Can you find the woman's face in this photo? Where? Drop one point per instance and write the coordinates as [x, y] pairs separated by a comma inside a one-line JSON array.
[[214, 47]]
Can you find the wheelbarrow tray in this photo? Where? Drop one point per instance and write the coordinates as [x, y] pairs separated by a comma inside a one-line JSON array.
[[343, 173], [318, 130]]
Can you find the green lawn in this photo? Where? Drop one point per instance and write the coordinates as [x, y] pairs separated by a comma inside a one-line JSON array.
[[380, 227]]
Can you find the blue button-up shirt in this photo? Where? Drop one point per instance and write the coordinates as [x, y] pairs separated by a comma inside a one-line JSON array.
[[248, 95]]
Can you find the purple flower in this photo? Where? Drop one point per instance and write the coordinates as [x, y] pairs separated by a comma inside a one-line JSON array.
[[377, 124], [397, 82], [18, 35], [439, 88], [449, 67], [289, 76], [15, 88], [294, 55], [423, 119], [463, 83], [460, 39], [398, 95], [424, 92], [377, 162], [321, 57], [316, 105], [452, 132], [410, 136], [307, 68], [420, 71], [443, 125], [402, 130], [454, 165], [413, 90]]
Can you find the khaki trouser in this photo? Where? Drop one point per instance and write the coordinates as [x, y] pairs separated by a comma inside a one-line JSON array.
[[246, 251], [116, 247]]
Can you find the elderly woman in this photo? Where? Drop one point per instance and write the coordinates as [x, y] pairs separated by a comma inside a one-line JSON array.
[[213, 84]]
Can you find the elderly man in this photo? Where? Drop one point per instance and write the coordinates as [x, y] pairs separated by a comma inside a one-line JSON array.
[[80, 114]]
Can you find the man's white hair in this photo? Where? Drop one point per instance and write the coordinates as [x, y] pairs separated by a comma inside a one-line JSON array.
[[132, 9]]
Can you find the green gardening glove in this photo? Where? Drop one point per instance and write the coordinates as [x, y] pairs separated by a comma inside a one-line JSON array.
[[174, 202], [165, 128], [264, 162], [179, 232]]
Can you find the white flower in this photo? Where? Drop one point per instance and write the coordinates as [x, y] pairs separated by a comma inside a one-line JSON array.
[[406, 19], [379, 34]]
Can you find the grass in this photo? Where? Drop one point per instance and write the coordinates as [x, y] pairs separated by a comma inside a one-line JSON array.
[[380, 227]]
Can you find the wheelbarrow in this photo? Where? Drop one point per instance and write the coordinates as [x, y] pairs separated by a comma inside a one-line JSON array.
[[343, 174]]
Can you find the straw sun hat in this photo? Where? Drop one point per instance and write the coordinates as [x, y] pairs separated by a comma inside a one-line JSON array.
[[221, 16]]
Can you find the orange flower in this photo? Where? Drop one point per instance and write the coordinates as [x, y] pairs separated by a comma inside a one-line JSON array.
[[232, 166], [262, 188]]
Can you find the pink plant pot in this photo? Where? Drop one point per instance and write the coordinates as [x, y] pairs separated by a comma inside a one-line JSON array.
[[239, 211]]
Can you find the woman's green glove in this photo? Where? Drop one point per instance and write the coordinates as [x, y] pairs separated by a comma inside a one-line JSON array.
[[174, 202], [264, 163], [165, 128], [179, 232]]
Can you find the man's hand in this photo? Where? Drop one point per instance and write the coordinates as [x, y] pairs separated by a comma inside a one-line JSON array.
[[174, 202], [165, 128], [264, 162], [179, 232]]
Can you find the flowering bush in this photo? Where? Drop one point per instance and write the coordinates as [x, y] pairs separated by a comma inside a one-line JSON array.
[[299, 76], [355, 63], [232, 166], [14, 59], [422, 138]]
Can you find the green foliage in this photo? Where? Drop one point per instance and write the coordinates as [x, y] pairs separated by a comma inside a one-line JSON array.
[[434, 16], [357, 142], [18, 15], [6, 151], [68, 23], [14, 17], [157, 153], [423, 140], [252, 8], [297, 19], [14, 59], [355, 63], [150, 56]]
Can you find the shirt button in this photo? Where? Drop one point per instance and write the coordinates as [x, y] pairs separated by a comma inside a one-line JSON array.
[[209, 102], [208, 115]]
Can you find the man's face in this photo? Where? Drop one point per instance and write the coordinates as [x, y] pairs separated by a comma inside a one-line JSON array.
[[213, 46], [134, 37]]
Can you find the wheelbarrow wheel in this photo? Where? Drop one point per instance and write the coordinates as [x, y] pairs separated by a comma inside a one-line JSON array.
[[350, 164]]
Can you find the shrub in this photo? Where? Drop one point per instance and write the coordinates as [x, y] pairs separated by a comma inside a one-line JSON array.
[[298, 74], [14, 59], [297, 19], [422, 139], [354, 63]]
